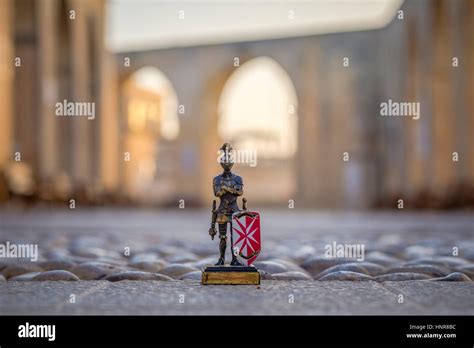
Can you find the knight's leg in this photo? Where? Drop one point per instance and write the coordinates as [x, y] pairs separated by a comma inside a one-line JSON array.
[[222, 243]]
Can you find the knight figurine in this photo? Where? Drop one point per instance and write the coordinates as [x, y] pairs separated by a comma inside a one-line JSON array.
[[227, 186], [242, 224]]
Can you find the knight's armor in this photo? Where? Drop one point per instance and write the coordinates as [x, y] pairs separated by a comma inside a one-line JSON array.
[[227, 186]]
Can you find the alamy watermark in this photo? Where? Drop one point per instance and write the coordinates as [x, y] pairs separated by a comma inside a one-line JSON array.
[[241, 156], [28, 330], [19, 251], [404, 109], [349, 251], [75, 109]]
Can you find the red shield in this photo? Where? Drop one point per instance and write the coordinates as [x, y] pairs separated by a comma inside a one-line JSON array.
[[246, 241]]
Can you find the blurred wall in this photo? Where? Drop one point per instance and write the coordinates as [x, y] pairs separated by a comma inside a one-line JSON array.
[[390, 158], [338, 110], [52, 50]]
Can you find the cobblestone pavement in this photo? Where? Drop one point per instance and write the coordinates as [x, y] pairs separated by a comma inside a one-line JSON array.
[[273, 297], [413, 263]]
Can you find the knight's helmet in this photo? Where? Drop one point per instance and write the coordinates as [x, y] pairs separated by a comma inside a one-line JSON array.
[[226, 157]]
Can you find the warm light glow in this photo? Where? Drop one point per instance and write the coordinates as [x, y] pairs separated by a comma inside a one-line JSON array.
[[136, 116], [154, 81], [258, 109]]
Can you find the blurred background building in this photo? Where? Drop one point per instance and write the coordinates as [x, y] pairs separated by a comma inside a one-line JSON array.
[[302, 85], [53, 51]]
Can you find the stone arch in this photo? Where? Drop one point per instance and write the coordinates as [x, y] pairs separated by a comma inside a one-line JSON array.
[[149, 128], [139, 61], [271, 105], [273, 164]]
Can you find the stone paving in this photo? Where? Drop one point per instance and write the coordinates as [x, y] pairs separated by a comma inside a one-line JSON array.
[[272, 297], [412, 263]]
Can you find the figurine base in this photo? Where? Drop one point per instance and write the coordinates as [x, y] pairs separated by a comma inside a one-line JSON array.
[[230, 275]]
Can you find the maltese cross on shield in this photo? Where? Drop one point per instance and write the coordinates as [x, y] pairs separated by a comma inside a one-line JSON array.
[[246, 240]]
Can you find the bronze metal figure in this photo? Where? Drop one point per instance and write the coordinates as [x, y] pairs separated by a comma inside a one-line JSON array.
[[227, 187]]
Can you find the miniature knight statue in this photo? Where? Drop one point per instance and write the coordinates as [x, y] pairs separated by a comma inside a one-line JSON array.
[[227, 186]]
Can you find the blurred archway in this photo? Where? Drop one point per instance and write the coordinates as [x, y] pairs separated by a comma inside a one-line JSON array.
[[150, 126], [258, 112]]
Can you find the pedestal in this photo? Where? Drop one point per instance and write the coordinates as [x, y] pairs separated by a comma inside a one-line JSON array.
[[230, 275]]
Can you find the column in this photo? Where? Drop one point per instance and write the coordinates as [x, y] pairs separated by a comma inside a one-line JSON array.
[[81, 136], [309, 141], [6, 83], [443, 117], [48, 91]]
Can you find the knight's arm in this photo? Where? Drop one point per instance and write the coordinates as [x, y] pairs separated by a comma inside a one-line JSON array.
[[218, 191], [239, 187]]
